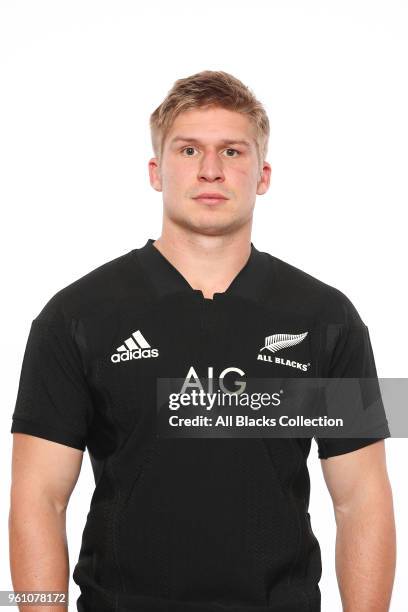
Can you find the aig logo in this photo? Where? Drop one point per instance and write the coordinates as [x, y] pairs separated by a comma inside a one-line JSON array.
[[192, 381]]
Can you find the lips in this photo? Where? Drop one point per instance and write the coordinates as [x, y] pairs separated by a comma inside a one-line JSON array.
[[210, 198]]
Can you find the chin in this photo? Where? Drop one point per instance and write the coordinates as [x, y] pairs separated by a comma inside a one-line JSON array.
[[210, 227]]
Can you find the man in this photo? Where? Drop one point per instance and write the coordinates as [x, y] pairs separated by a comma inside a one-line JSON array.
[[195, 522]]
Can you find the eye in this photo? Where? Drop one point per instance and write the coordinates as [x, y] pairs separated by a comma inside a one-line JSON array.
[[188, 151], [229, 151]]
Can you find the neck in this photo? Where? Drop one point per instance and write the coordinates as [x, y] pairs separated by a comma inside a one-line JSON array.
[[208, 263]]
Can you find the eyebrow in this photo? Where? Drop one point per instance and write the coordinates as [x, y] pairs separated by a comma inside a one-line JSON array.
[[224, 141]]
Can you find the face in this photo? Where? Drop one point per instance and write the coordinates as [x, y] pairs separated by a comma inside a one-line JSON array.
[[210, 151]]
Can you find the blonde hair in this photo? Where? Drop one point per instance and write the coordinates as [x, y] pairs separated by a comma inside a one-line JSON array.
[[205, 89]]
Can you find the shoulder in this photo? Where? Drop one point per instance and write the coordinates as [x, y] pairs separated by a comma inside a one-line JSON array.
[[95, 291], [300, 290]]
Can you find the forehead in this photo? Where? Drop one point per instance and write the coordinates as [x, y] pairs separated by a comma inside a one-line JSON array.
[[212, 124]]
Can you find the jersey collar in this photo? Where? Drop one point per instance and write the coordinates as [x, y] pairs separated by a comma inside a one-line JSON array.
[[251, 282]]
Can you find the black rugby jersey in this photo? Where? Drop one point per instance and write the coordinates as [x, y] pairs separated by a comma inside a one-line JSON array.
[[187, 524]]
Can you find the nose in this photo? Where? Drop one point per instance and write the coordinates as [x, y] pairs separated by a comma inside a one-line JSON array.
[[210, 168]]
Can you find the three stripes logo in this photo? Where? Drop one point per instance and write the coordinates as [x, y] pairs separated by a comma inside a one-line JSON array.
[[134, 347], [277, 342]]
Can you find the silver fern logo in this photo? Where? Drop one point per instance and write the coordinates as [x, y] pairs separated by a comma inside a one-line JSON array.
[[277, 342]]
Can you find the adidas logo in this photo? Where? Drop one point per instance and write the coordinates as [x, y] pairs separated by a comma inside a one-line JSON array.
[[134, 347], [277, 342]]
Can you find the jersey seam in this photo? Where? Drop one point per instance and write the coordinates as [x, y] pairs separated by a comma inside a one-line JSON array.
[[52, 325], [115, 513], [149, 284], [299, 544], [51, 427]]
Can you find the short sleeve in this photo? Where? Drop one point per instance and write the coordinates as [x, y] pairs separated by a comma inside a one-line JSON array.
[[352, 357], [53, 399]]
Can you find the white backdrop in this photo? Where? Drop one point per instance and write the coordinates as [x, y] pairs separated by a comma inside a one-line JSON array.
[[79, 80]]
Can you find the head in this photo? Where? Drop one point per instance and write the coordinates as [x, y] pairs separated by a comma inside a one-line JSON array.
[[209, 135]]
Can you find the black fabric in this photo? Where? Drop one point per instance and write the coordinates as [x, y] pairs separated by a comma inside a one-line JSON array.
[[53, 400], [188, 523], [353, 358]]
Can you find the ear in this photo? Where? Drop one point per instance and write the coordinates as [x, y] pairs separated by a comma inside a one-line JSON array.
[[264, 179], [154, 173]]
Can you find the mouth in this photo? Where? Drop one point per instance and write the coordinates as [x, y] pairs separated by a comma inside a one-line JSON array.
[[211, 198]]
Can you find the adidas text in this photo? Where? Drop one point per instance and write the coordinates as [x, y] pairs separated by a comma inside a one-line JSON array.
[[136, 354], [134, 347]]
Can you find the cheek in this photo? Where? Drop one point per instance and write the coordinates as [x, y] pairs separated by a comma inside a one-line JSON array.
[[178, 174], [171, 181], [245, 178]]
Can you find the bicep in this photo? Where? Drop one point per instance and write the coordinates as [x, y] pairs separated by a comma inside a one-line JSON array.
[[43, 469], [354, 476]]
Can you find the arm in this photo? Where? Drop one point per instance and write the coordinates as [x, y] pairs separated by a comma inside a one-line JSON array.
[[365, 543], [44, 474]]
